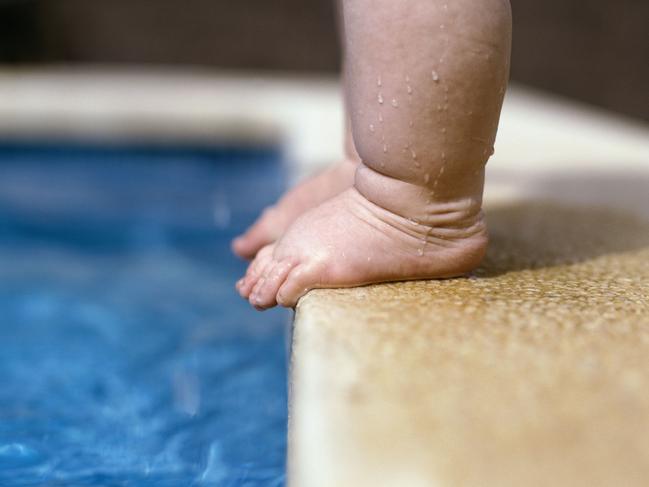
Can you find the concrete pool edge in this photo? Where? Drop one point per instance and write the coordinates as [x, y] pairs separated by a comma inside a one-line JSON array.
[[161, 106], [533, 371]]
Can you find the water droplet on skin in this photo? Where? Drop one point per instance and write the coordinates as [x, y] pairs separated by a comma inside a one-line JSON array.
[[470, 112], [413, 154], [369, 259], [379, 82], [435, 76], [420, 252], [439, 108], [442, 26], [445, 6], [395, 103], [385, 148], [417, 164], [426, 178], [409, 89], [411, 124], [372, 127], [443, 156], [444, 130], [380, 99], [381, 117]]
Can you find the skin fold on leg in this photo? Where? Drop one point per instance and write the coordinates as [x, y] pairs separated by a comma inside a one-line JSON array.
[[425, 81]]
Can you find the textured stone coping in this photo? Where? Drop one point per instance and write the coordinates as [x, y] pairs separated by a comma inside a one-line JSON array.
[[533, 371]]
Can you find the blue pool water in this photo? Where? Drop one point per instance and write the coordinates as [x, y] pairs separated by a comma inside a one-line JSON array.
[[126, 357]]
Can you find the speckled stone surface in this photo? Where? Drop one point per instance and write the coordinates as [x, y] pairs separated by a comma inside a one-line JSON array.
[[533, 371]]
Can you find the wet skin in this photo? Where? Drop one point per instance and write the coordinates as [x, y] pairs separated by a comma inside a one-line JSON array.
[[425, 82]]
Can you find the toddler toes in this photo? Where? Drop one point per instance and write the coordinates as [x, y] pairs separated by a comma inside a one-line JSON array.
[[255, 270], [298, 282], [264, 293]]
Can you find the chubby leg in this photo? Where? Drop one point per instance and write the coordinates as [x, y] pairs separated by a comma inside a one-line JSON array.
[[425, 81]]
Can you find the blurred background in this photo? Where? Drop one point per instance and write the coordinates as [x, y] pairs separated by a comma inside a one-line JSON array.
[[595, 51]]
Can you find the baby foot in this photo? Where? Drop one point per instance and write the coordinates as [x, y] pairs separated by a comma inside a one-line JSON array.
[[350, 241], [275, 220]]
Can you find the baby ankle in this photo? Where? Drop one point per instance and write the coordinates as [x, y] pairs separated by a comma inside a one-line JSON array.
[[418, 203]]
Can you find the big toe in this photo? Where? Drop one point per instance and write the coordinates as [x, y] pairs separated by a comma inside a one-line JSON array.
[[297, 283], [264, 294], [255, 270], [260, 233]]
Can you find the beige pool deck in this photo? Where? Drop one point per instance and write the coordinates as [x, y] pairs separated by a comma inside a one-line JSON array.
[[532, 371]]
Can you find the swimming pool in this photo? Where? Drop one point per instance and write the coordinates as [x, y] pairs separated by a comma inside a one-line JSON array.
[[127, 358]]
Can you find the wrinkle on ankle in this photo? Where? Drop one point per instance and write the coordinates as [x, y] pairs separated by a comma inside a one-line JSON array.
[[416, 203]]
